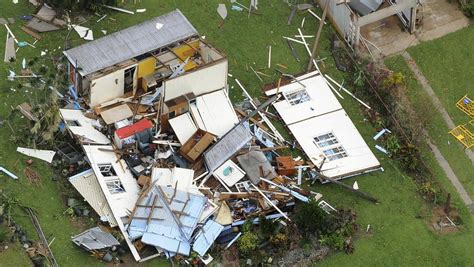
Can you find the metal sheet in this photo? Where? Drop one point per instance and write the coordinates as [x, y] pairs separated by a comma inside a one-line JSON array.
[[116, 114], [94, 239], [226, 147], [131, 42], [206, 237]]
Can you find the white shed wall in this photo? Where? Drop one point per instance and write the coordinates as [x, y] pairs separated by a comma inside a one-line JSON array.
[[359, 156], [199, 82], [109, 87]]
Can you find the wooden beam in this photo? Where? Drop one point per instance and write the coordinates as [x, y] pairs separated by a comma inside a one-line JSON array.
[[152, 208], [259, 124], [31, 32], [385, 12], [360, 193]]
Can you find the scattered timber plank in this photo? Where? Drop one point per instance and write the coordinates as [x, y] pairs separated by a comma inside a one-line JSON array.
[[31, 32], [360, 193], [293, 51], [259, 124], [42, 237]]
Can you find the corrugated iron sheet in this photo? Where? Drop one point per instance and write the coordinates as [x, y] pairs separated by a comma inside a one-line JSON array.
[[171, 222], [227, 146], [131, 42], [87, 185], [95, 238], [206, 237]]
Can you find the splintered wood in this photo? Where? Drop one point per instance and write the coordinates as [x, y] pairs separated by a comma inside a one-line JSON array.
[[32, 176]]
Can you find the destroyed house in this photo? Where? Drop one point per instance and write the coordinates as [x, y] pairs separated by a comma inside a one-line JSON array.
[[149, 147], [164, 52], [152, 80]]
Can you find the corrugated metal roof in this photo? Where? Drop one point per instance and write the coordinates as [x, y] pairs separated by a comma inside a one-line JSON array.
[[206, 237], [227, 146], [95, 238], [87, 185], [131, 42], [172, 220]]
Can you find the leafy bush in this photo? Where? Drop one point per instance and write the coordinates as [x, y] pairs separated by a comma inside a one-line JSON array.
[[267, 227], [279, 240], [386, 92], [469, 8], [3, 234], [247, 243], [311, 219], [335, 241], [392, 144]]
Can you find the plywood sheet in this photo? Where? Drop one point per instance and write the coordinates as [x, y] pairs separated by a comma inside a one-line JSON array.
[[46, 155], [183, 126], [116, 114], [229, 173]]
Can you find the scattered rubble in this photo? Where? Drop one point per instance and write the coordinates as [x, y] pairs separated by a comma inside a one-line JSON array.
[[164, 156]]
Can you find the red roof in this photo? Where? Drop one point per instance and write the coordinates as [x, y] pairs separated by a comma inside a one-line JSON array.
[[130, 130]]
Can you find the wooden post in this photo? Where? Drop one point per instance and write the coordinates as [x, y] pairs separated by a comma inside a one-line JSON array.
[[361, 193], [318, 35], [447, 207]]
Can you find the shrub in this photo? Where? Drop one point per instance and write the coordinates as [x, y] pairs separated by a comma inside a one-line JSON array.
[[392, 144], [247, 243], [267, 227], [335, 241], [279, 240], [3, 234], [469, 8], [310, 218]]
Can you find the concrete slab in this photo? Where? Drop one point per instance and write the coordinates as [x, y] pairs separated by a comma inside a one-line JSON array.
[[440, 17]]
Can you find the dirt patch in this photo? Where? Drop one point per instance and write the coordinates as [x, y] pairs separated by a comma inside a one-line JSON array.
[[230, 257], [445, 223]]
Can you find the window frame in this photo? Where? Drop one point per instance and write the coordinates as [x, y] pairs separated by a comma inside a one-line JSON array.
[[115, 186], [329, 144], [109, 171], [293, 101]]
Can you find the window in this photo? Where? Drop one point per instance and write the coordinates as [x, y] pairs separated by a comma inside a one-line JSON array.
[[73, 123], [107, 170], [326, 140], [297, 97], [115, 186], [330, 146], [337, 152]]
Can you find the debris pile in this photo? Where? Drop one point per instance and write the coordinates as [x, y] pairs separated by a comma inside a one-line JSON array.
[[171, 162], [178, 190]]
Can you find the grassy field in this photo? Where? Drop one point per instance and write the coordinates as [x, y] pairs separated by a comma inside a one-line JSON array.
[[401, 235], [14, 256], [436, 126], [447, 64]]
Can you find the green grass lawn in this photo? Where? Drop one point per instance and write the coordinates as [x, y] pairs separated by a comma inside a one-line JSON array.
[[436, 126], [447, 64], [399, 238], [14, 256]]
